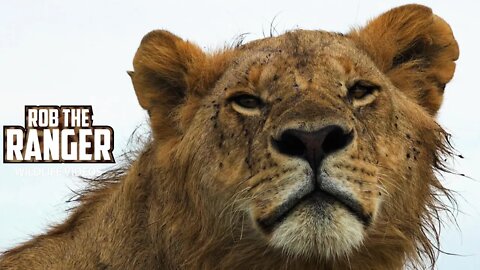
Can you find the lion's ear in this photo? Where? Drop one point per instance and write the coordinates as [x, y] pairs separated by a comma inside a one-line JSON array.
[[170, 77], [415, 48], [165, 67]]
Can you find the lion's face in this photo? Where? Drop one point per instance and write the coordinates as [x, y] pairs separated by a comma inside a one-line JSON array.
[[294, 124], [313, 136]]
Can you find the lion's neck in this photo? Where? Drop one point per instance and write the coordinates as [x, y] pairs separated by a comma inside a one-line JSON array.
[[183, 234]]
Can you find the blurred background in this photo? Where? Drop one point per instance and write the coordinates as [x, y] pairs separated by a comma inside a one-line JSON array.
[[76, 52]]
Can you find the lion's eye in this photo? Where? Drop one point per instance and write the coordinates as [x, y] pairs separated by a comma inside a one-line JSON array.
[[361, 89], [247, 101]]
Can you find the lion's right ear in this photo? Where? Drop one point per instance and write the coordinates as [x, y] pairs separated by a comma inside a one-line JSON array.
[[171, 76], [165, 67]]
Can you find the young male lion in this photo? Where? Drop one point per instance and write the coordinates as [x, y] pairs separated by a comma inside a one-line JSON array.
[[310, 150]]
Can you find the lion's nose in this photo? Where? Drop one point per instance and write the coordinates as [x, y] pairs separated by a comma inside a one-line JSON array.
[[313, 146]]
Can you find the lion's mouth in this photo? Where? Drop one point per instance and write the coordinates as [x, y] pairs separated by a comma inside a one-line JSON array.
[[320, 199]]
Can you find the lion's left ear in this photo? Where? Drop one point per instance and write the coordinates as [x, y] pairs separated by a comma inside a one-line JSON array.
[[415, 48]]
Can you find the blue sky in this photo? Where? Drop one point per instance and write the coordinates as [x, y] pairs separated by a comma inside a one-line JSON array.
[[65, 52]]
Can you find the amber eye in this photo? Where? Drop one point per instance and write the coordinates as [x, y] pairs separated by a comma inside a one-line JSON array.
[[247, 101], [362, 89]]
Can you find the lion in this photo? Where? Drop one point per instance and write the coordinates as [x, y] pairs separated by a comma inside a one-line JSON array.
[[307, 150]]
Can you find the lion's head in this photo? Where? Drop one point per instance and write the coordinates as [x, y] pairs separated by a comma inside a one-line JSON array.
[[316, 144]]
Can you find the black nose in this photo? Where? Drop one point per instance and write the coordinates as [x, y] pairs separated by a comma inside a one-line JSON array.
[[313, 146]]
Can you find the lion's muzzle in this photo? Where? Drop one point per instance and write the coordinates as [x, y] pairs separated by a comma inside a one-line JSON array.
[[317, 190]]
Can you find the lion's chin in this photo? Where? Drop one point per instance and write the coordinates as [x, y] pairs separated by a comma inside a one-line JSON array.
[[317, 229]]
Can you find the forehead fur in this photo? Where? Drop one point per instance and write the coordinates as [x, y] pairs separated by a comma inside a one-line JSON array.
[[324, 57]]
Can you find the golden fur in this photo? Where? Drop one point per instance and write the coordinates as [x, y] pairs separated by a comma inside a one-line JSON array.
[[199, 192]]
